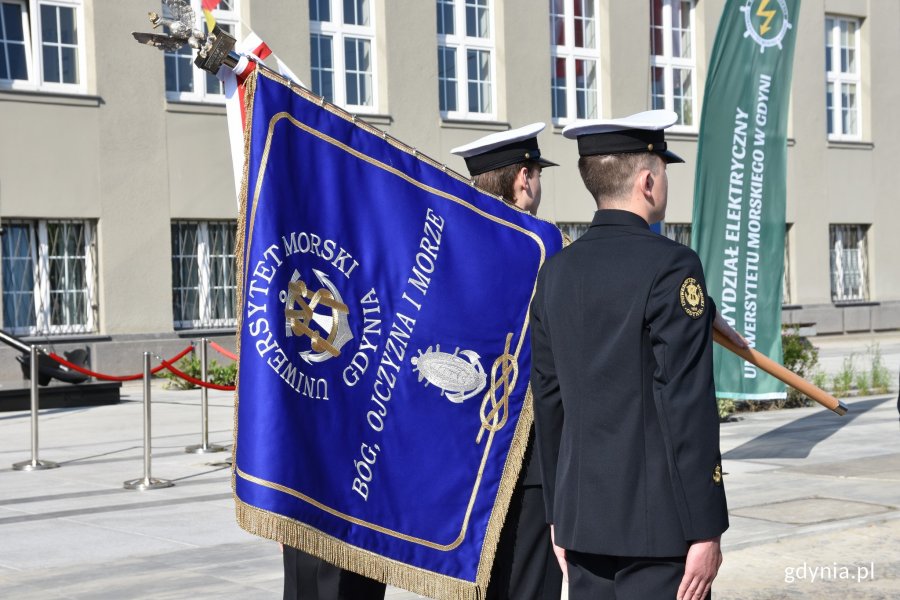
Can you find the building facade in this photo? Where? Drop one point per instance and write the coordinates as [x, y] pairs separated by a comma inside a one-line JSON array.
[[118, 207]]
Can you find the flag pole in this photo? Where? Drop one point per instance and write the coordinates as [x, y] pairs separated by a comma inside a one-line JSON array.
[[786, 375]]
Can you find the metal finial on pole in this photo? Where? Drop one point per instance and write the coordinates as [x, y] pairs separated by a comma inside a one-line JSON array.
[[204, 447], [147, 482], [34, 464]]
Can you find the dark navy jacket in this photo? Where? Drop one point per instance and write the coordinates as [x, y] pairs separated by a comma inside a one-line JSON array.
[[624, 401]]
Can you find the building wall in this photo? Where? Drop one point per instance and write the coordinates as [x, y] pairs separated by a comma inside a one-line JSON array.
[[123, 155]]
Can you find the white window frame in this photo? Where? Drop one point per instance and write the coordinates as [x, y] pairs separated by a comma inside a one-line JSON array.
[[462, 43], [836, 78], [857, 265], [204, 286], [573, 229], [669, 63], [678, 232], [572, 53], [39, 243], [201, 93], [34, 49], [786, 290], [29, 49], [337, 30]]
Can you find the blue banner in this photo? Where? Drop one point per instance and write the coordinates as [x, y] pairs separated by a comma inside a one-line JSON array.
[[382, 394]]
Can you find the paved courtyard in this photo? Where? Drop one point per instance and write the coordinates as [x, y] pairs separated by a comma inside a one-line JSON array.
[[814, 501]]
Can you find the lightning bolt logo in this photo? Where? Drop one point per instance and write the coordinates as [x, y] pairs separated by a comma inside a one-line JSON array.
[[763, 15], [768, 14]]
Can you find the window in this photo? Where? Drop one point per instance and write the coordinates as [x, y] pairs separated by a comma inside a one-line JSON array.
[[786, 283], [49, 277], [849, 268], [203, 283], [575, 60], [342, 46], [465, 56], [842, 77], [573, 230], [42, 45], [680, 232], [672, 60], [184, 82]]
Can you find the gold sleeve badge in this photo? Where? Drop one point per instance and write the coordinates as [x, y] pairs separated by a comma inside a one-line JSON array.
[[693, 300]]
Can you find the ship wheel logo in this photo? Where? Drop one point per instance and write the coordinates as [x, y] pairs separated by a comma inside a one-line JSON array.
[[327, 330]]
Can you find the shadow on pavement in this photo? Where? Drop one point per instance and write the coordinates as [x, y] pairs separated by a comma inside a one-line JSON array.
[[797, 438]]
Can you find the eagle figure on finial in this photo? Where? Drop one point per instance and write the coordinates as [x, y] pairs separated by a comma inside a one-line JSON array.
[[180, 25]]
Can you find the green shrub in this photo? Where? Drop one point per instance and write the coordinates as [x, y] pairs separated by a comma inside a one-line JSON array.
[[881, 377], [862, 383], [843, 381], [190, 365], [801, 357], [224, 374], [820, 379], [726, 408]]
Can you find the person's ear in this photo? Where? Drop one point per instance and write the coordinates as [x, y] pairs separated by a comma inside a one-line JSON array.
[[522, 178], [645, 182]]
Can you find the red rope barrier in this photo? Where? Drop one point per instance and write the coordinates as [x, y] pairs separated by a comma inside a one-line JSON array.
[[222, 350], [134, 377], [194, 380]]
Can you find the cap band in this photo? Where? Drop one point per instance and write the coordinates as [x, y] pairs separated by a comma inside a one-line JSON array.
[[622, 142], [510, 154]]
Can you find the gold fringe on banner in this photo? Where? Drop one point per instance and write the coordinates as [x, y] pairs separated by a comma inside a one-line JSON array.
[[508, 480], [297, 535], [310, 540]]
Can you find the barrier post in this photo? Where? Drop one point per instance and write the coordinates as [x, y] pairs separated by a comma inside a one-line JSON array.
[[204, 447], [147, 482], [34, 464]]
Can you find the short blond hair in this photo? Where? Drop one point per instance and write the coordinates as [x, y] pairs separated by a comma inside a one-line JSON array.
[[610, 176]]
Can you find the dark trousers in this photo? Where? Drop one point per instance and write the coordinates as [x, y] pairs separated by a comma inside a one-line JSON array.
[[601, 577], [524, 566], [309, 578]]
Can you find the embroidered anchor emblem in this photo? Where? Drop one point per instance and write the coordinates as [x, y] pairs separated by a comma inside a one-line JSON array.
[[300, 314]]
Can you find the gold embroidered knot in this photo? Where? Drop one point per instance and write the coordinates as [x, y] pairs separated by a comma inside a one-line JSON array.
[[494, 419]]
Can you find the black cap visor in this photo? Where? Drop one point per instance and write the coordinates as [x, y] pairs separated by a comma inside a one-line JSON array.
[[670, 157], [510, 154]]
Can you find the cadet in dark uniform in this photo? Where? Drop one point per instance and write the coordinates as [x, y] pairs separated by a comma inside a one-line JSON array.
[[509, 164], [625, 407], [309, 578]]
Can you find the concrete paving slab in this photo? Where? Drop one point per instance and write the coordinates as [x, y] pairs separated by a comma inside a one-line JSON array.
[[60, 543], [196, 524], [127, 541], [28, 592], [225, 555], [874, 467], [140, 584], [817, 566], [808, 511], [785, 488]]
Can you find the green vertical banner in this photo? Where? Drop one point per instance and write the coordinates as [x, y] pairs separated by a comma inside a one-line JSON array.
[[740, 187]]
